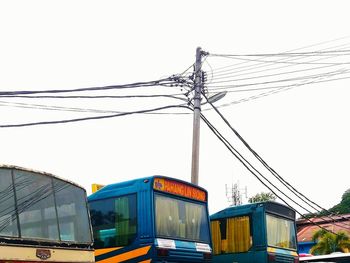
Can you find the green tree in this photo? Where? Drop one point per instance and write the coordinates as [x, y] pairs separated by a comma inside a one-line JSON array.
[[328, 242], [342, 208], [262, 197]]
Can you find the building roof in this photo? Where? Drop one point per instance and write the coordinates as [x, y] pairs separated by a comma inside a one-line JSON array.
[[306, 228]]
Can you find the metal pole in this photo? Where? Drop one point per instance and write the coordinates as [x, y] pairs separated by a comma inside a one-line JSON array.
[[196, 116]]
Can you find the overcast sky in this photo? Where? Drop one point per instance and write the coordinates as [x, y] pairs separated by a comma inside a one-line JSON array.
[[302, 132]]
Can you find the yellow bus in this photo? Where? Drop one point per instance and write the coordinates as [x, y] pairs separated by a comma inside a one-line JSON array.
[[43, 218]]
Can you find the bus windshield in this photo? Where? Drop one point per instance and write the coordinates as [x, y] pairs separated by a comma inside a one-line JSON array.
[[37, 206], [280, 232], [180, 219]]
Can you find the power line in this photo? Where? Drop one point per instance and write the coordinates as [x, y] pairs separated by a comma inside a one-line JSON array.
[[75, 109], [249, 66], [292, 189], [71, 109], [275, 90], [160, 82], [266, 75], [91, 117], [251, 169], [173, 96], [246, 164], [284, 62], [283, 54], [299, 78]]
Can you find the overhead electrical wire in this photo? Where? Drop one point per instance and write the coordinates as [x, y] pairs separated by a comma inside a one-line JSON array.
[[292, 189], [231, 83], [288, 54], [224, 79], [273, 90], [234, 79], [176, 80], [60, 108], [300, 78], [329, 76], [72, 109], [51, 107], [184, 106], [160, 82], [267, 66], [173, 96], [284, 62], [248, 65], [251, 169]]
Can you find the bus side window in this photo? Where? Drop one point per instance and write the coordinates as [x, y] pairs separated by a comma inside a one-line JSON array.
[[114, 221], [125, 219], [223, 227], [231, 235], [216, 236]]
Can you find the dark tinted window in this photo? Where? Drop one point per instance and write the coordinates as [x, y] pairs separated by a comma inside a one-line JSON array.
[[114, 221]]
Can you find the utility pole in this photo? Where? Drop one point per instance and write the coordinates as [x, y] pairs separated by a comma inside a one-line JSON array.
[[196, 116]]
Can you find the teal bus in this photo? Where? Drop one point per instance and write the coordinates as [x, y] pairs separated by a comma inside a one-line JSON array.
[[260, 232], [153, 219]]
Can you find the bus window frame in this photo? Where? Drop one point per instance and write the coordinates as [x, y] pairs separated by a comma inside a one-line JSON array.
[[185, 199]]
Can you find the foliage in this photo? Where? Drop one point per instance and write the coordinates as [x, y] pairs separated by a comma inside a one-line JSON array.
[[262, 197], [342, 208], [328, 242]]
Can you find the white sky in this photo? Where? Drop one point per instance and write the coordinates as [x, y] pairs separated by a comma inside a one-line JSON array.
[[302, 133]]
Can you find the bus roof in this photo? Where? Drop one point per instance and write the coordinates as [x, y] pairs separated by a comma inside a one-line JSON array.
[[337, 256], [114, 189], [246, 208], [14, 167]]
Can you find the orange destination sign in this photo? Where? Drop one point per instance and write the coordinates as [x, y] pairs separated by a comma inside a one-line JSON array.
[[178, 188]]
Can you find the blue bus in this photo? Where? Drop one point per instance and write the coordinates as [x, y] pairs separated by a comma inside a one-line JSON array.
[[259, 232], [153, 219]]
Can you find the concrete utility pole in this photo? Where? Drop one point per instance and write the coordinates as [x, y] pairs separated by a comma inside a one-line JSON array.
[[196, 116]]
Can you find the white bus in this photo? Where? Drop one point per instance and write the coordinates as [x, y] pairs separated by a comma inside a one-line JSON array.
[[336, 258], [42, 218]]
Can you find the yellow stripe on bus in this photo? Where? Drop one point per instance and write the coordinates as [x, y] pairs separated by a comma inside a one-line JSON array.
[[271, 249], [127, 255], [274, 250], [101, 251], [295, 254], [146, 261]]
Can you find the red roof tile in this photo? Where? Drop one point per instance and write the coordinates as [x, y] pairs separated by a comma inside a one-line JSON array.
[[306, 229]]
